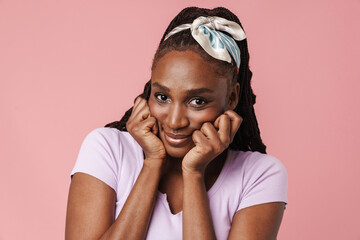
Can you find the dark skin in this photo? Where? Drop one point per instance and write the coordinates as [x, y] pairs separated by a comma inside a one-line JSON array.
[[184, 130]]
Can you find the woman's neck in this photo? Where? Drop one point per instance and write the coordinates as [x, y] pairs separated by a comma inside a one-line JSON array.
[[172, 179], [175, 164]]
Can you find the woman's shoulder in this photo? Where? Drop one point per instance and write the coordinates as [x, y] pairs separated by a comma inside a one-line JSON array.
[[111, 137], [107, 133], [252, 168], [253, 160], [262, 177], [111, 143], [105, 152]]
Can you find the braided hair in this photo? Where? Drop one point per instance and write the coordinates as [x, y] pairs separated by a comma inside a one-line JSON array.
[[247, 137]]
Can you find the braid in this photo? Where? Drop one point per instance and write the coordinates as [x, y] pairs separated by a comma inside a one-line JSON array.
[[121, 125], [248, 136]]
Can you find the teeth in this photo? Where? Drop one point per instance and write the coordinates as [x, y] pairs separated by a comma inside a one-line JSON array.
[[175, 140]]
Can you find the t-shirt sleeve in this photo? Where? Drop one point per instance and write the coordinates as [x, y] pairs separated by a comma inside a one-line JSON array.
[[265, 180], [97, 156]]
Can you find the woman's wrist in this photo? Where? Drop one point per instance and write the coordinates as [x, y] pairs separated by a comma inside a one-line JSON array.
[[154, 164], [193, 172]]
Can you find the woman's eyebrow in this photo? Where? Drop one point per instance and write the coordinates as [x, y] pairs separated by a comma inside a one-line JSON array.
[[189, 92], [199, 91], [163, 88]]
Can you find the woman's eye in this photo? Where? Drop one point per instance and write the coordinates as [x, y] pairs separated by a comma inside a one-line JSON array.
[[197, 102], [161, 97]]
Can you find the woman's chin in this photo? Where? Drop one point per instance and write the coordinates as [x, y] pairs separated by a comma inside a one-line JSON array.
[[177, 153], [175, 156]]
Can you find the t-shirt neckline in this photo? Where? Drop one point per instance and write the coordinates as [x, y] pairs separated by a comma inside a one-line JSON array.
[[210, 192]]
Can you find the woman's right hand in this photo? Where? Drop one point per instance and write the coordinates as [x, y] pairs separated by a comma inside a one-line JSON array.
[[144, 129]]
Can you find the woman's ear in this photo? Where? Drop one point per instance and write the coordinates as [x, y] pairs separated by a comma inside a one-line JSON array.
[[233, 96]]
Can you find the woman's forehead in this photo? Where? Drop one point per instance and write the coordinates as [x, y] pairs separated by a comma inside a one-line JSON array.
[[185, 69]]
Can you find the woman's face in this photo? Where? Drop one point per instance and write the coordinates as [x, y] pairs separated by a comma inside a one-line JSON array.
[[185, 93]]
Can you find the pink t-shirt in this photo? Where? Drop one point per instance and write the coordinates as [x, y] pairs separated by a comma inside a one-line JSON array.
[[247, 179]]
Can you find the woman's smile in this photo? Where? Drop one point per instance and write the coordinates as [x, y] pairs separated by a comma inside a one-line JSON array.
[[176, 140]]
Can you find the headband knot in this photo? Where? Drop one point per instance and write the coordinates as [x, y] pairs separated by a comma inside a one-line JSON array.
[[207, 31]]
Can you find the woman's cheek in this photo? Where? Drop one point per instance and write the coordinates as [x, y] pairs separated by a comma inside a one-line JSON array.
[[156, 110], [207, 115]]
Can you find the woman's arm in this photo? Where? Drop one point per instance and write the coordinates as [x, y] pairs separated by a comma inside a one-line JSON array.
[[259, 222], [91, 207], [134, 218], [210, 141], [197, 220]]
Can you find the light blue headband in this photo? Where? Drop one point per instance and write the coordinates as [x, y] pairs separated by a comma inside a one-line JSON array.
[[206, 31]]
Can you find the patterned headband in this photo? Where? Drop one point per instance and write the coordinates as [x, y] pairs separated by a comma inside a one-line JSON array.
[[206, 31]]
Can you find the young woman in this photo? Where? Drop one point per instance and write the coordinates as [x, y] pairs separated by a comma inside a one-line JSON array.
[[187, 160]]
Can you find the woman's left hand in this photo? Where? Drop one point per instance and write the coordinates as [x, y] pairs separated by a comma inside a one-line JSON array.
[[211, 140]]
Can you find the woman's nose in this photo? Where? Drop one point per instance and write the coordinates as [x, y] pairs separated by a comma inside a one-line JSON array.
[[177, 117]]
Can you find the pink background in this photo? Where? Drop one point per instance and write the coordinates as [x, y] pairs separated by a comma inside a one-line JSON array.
[[67, 67]]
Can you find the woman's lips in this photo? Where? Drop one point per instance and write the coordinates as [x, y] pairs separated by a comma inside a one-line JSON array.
[[176, 139]]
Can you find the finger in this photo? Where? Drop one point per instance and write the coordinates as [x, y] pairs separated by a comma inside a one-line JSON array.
[[235, 122], [148, 124], [209, 130], [198, 137], [142, 111], [216, 123], [136, 102], [155, 128], [143, 114], [139, 103], [224, 129]]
